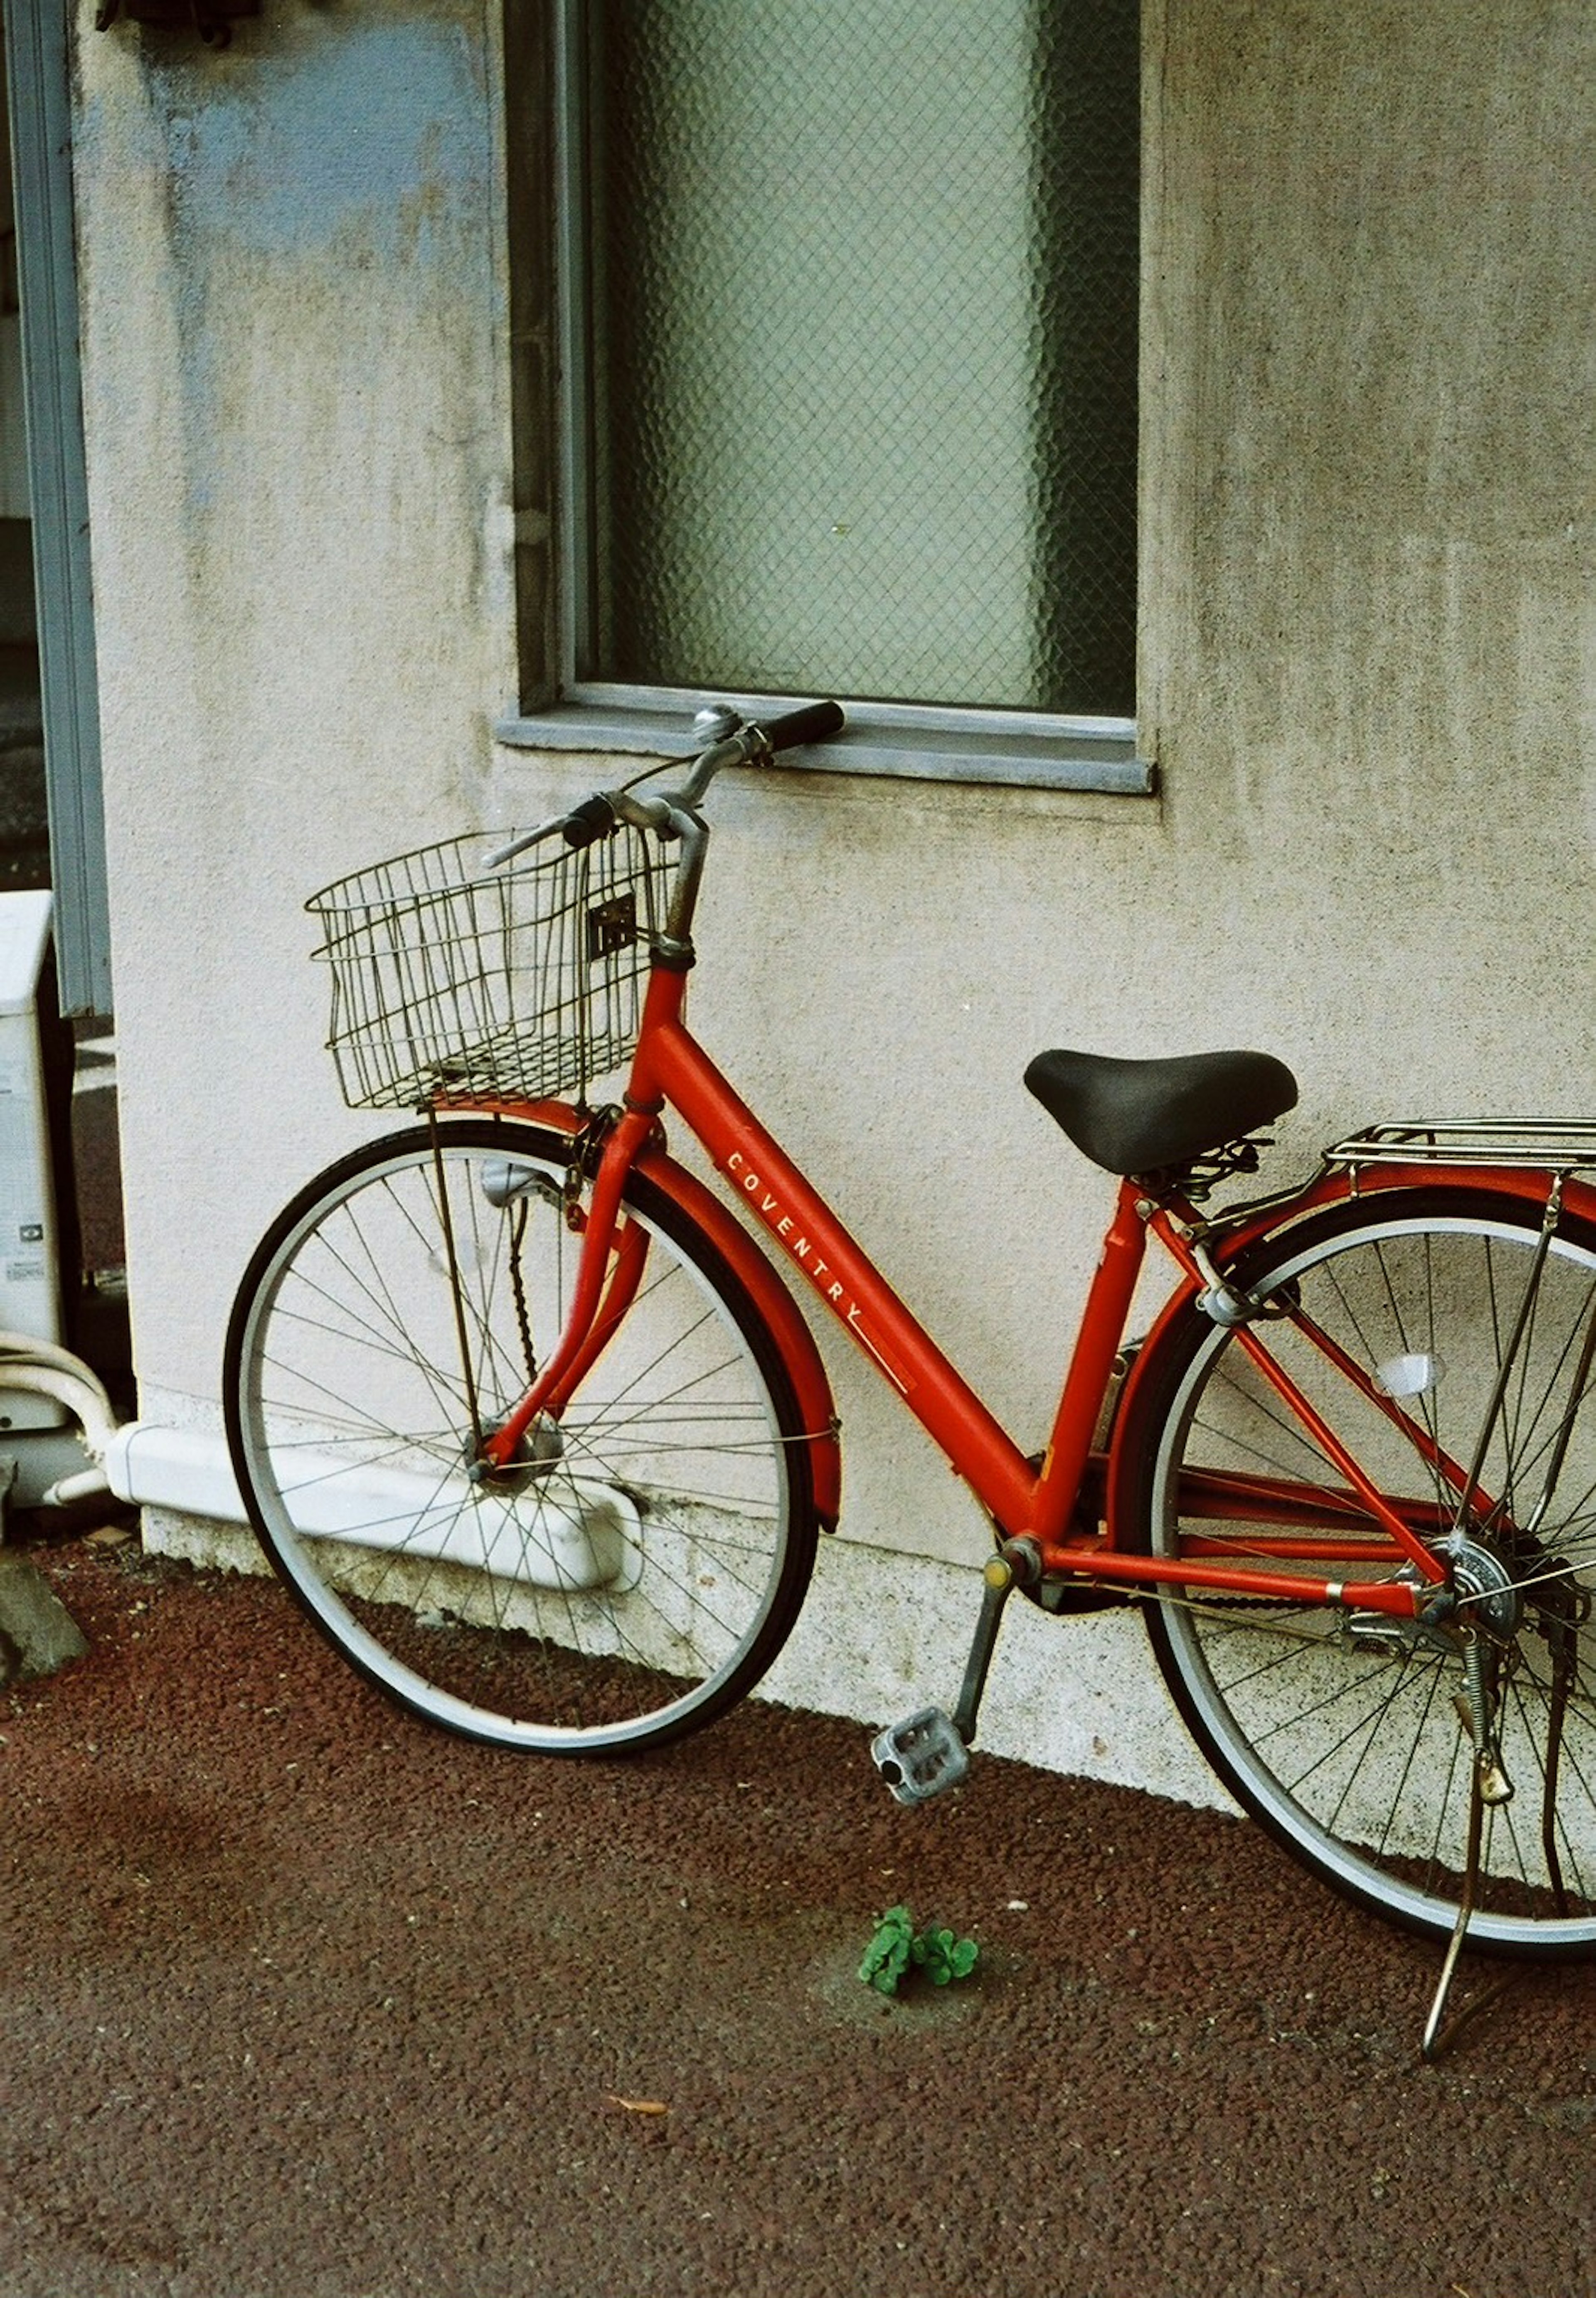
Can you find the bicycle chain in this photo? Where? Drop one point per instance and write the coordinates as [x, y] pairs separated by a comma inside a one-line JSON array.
[[519, 1291], [582, 1164]]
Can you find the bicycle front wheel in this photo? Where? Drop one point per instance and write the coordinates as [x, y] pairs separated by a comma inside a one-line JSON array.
[[638, 1569], [1456, 1362]]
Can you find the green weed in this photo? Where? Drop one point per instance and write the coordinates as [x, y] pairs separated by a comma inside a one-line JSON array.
[[897, 1948]]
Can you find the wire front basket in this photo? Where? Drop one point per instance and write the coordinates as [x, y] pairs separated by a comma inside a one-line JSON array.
[[454, 984]]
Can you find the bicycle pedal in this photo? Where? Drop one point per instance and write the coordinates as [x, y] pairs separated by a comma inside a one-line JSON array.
[[921, 1757]]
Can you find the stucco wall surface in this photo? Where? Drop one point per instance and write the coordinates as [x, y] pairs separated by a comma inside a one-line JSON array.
[[296, 408], [1366, 645]]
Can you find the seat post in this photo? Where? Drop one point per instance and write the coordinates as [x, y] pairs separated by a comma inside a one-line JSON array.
[[1102, 1325]]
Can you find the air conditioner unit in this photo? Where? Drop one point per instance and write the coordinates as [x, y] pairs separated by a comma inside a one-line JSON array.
[[30, 1289]]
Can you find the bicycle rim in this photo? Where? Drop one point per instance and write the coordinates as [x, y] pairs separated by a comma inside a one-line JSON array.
[[640, 1566], [1354, 1738]]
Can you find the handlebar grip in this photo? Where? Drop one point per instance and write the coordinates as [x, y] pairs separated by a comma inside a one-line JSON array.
[[816, 722], [594, 818]]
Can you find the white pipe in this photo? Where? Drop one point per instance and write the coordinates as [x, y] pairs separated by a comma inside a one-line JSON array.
[[44, 1368], [79, 1391], [177, 1468], [579, 1535], [24, 1344], [87, 1484]]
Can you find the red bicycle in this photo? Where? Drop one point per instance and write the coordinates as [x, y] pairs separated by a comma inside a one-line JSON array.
[[531, 1425]]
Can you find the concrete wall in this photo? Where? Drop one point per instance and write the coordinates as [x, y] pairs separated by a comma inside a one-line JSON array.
[[1366, 647], [297, 410]]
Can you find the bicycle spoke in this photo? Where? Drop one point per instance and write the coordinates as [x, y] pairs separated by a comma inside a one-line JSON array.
[[627, 1574], [1465, 1333]]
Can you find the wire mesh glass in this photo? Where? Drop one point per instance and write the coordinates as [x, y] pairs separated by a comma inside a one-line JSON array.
[[863, 348], [453, 984]]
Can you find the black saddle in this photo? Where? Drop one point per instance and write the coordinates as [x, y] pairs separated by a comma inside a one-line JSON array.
[[1146, 1117]]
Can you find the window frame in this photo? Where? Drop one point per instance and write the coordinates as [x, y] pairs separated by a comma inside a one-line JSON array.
[[560, 709]]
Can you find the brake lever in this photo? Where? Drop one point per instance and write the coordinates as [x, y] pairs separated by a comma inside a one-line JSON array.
[[643, 814]]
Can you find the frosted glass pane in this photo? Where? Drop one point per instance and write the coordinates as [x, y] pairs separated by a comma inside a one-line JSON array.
[[864, 303]]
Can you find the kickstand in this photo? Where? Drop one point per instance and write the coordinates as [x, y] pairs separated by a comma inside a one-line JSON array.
[[1440, 2032]]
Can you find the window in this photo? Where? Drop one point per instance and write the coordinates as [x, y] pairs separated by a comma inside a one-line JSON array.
[[847, 346]]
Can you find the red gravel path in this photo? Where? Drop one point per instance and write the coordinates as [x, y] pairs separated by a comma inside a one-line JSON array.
[[301, 2000]]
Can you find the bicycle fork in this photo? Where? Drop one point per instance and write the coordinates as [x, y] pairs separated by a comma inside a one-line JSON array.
[[614, 1250]]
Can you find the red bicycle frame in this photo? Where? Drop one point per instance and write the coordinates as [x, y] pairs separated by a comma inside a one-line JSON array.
[[1358, 1524]]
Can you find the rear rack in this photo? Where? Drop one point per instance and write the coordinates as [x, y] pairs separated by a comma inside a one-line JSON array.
[[1539, 1144]]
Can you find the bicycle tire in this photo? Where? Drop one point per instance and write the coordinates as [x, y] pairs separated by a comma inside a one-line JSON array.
[[1340, 1736], [643, 1567]]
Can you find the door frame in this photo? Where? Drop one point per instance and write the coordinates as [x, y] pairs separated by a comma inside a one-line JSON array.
[[38, 74]]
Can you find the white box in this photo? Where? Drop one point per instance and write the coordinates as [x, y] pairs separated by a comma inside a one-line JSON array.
[[30, 1298]]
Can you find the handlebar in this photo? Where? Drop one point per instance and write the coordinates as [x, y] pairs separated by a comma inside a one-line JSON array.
[[816, 722], [673, 813]]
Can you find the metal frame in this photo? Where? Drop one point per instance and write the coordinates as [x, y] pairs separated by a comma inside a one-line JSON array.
[[573, 257], [1023, 749], [1027, 1502], [38, 72], [1536, 1145]]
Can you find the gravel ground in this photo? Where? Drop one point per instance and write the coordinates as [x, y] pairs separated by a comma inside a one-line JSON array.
[[303, 2000]]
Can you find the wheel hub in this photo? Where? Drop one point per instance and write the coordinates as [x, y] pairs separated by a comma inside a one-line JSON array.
[[1480, 1593], [540, 1449], [1484, 1589]]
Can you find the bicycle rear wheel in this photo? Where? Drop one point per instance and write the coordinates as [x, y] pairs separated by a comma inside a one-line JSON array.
[[640, 1569], [1467, 1368]]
